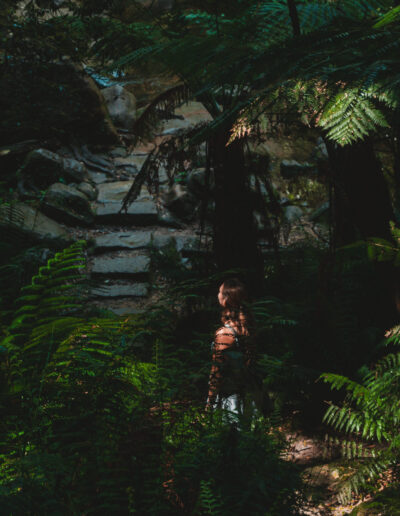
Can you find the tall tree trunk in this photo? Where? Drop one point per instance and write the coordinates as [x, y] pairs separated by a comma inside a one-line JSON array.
[[361, 204], [235, 239], [362, 208], [294, 16]]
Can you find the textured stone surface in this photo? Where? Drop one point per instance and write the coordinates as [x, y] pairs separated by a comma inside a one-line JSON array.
[[140, 211], [43, 167], [121, 306], [292, 168], [134, 161], [74, 170], [116, 191], [118, 152], [88, 189], [130, 240], [181, 242], [122, 290], [121, 106], [180, 202], [191, 114], [37, 225], [127, 264], [67, 204], [98, 177]]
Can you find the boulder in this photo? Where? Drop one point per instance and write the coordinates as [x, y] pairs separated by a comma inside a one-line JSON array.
[[158, 5], [43, 167], [74, 170], [62, 101], [32, 222], [180, 202], [182, 243], [121, 106], [132, 162], [196, 181], [187, 116], [321, 214], [291, 169], [95, 124], [67, 204], [88, 190], [292, 213], [119, 152], [98, 177]]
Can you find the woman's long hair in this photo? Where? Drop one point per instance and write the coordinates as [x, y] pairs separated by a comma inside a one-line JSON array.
[[236, 308]]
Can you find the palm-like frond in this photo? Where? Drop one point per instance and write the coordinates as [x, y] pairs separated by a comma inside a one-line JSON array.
[[371, 413], [351, 116], [160, 107]]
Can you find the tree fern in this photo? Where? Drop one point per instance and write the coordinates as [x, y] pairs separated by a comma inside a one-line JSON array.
[[72, 386], [370, 414], [351, 116], [209, 503]]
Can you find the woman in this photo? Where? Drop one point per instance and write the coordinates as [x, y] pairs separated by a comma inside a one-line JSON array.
[[232, 351]]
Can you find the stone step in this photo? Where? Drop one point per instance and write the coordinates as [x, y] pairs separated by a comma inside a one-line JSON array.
[[140, 213], [121, 290], [122, 306], [109, 205], [122, 265], [117, 190], [123, 240], [183, 242]]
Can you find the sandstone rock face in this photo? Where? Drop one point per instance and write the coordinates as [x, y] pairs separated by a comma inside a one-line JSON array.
[[121, 105], [37, 226], [67, 204]]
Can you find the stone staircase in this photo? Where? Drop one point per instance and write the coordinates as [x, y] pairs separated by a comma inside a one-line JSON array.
[[120, 263]]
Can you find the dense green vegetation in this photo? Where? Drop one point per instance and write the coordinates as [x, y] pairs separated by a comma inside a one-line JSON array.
[[104, 414]]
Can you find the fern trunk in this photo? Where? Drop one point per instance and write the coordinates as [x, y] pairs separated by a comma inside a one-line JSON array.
[[235, 239], [362, 206]]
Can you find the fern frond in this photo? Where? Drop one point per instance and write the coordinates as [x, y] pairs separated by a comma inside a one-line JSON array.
[[165, 103], [350, 117]]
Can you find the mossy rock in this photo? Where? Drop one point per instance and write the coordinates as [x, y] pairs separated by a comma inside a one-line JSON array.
[[386, 503]]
